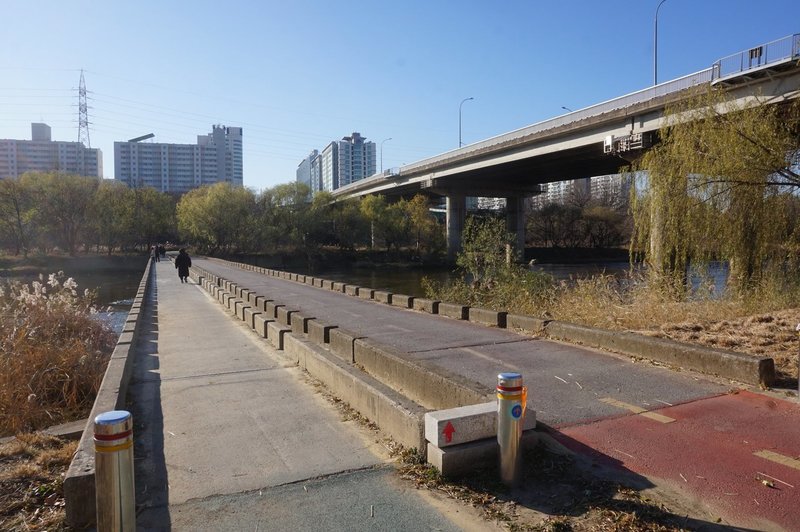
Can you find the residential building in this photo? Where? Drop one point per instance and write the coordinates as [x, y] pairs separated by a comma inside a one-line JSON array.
[[43, 154], [309, 172], [341, 162], [178, 168]]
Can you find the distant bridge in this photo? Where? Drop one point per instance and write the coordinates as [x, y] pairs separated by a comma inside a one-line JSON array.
[[596, 140]]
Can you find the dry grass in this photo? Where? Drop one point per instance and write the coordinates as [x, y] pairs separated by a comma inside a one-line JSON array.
[[52, 355], [32, 467]]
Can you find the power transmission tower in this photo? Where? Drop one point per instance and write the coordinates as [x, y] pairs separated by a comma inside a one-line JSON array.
[[83, 114]]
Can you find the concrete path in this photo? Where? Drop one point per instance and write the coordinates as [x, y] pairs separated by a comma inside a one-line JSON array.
[[733, 454], [229, 436]]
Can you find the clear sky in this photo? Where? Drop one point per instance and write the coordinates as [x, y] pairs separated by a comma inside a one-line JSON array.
[[298, 74]]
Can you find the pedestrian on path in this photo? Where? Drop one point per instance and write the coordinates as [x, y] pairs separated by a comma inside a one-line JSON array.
[[183, 262], [153, 254]]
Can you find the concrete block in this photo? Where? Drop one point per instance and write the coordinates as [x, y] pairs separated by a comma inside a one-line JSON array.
[[272, 309], [241, 306], [468, 423], [402, 301], [251, 298], [382, 296], [492, 318], [420, 381], [337, 287], [460, 460], [351, 289], [297, 349], [727, 364], [430, 306], [341, 342], [300, 278], [260, 323], [320, 283], [299, 323], [327, 284], [276, 333], [365, 293], [452, 310], [319, 332], [249, 316], [310, 280], [284, 315], [525, 323]]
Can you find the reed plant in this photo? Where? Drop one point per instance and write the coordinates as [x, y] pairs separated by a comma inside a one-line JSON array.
[[53, 352]]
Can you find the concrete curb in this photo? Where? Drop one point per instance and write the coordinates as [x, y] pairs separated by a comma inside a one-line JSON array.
[[79, 488], [717, 362]]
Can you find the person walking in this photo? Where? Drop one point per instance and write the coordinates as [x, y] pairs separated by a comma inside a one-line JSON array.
[[182, 263], [153, 254]]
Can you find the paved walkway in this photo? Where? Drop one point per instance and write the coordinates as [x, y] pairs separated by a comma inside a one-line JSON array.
[[735, 453], [229, 436]]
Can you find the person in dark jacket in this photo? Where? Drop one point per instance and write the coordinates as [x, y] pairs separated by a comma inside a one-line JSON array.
[[183, 262]]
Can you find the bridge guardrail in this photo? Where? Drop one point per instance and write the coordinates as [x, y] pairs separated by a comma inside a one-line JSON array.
[[766, 54]]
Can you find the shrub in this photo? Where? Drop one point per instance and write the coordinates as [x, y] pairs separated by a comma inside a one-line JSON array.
[[53, 353]]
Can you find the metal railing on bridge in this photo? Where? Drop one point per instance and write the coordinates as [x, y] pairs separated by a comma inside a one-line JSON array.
[[774, 52]]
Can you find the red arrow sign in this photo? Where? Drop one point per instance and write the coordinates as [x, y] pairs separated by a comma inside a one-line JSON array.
[[448, 432]]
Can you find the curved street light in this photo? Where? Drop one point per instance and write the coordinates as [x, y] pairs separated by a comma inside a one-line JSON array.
[[384, 140], [655, 44], [459, 118]]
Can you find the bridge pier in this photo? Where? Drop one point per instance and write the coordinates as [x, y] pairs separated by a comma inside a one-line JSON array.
[[456, 207]]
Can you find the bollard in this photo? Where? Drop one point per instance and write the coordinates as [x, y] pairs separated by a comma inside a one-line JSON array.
[[114, 486], [511, 399]]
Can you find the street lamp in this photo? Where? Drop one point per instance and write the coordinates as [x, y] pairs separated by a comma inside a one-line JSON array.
[[566, 108], [384, 140], [655, 44], [459, 119]]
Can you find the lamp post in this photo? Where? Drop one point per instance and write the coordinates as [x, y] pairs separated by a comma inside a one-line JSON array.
[[655, 44], [566, 109], [384, 140], [459, 119]]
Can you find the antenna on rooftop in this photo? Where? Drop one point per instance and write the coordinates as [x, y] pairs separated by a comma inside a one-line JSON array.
[[83, 114]]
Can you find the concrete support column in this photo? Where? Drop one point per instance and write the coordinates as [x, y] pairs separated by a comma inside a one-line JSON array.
[[456, 213], [515, 223]]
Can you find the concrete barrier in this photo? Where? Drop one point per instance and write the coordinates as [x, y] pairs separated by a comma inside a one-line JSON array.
[[452, 310], [402, 301], [492, 318], [727, 364], [284, 315], [525, 323], [299, 323], [319, 332], [420, 381], [351, 289], [260, 323], [431, 306], [365, 293], [342, 343], [79, 487], [382, 296], [276, 333], [272, 309]]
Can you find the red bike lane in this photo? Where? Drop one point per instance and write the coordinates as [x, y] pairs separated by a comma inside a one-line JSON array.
[[738, 454]]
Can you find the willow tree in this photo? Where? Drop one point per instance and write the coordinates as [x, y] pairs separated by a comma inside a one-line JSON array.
[[720, 185]]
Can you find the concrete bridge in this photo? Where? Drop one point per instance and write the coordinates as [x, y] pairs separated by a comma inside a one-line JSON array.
[[597, 140], [210, 371]]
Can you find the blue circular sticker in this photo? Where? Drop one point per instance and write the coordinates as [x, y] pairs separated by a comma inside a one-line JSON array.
[[516, 411]]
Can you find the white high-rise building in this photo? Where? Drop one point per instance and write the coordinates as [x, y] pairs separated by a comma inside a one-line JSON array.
[[42, 154], [309, 172], [341, 162], [178, 168]]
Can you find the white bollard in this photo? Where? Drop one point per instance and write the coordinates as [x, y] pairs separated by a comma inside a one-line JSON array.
[[511, 399], [113, 470]]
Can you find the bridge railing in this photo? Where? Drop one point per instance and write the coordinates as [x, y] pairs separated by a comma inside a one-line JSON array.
[[644, 95], [760, 56]]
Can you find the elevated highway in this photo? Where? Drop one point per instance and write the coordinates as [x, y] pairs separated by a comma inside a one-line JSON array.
[[594, 141]]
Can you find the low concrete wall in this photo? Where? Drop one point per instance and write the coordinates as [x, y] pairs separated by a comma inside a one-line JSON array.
[[491, 318], [79, 488], [727, 364], [452, 310], [430, 306], [421, 382], [402, 301]]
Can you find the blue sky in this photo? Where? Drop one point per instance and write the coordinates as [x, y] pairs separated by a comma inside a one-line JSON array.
[[298, 74]]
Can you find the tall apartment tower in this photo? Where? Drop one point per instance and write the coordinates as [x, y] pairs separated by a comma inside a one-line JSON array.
[[309, 172], [43, 154], [178, 168], [341, 162]]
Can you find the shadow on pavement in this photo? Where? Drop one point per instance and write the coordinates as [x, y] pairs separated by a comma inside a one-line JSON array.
[[144, 401]]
